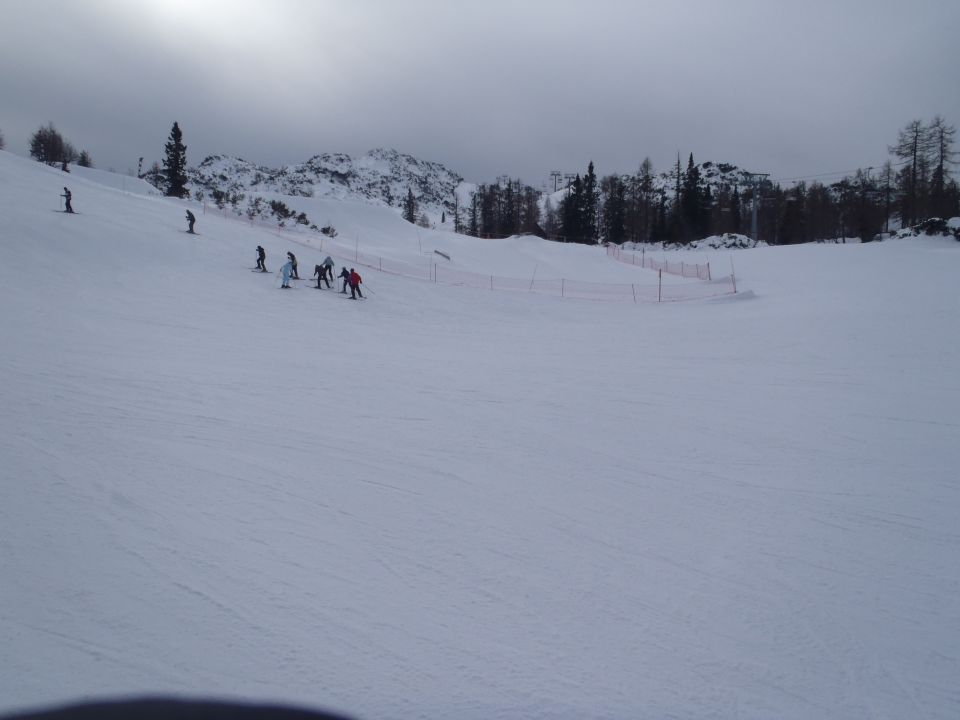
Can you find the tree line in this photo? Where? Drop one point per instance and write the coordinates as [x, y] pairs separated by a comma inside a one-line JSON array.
[[678, 207], [48, 146], [681, 205]]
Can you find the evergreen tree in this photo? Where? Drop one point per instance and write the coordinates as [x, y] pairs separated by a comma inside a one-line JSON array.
[[84, 160], [645, 200], [674, 221], [2, 144], [793, 227], [613, 190], [175, 164], [48, 146], [571, 212], [691, 203], [410, 207], [530, 211], [590, 204], [474, 227]]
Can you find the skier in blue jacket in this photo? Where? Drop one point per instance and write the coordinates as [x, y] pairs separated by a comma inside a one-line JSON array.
[[285, 273]]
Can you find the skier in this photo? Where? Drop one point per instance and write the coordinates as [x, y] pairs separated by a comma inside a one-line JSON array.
[[327, 269], [355, 281], [261, 259], [285, 271], [345, 274], [320, 273], [191, 219], [293, 260], [67, 195]]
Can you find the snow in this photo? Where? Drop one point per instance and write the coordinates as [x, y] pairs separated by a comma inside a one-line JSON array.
[[446, 502]]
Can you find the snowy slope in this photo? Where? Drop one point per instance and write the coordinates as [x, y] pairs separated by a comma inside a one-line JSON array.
[[444, 502]]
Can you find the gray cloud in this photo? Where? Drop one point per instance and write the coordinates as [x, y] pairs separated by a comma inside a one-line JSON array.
[[515, 88]]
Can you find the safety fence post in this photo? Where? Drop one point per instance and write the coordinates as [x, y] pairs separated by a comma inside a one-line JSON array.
[[562, 281], [634, 288], [659, 285]]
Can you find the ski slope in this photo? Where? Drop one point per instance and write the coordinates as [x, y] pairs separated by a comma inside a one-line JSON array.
[[444, 502]]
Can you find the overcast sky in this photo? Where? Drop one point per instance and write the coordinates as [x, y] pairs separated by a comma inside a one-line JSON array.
[[788, 87]]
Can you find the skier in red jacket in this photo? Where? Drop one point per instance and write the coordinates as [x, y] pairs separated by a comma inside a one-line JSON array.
[[355, 281]]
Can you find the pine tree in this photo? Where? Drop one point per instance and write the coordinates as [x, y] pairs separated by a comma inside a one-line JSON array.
[[614, 213], [84, 160], [571, 212], [456, 211], [175, 164], [410, 207], [2, 144], [691, 202], [48, 146], [646, 195], [474, 226], [590, 203]]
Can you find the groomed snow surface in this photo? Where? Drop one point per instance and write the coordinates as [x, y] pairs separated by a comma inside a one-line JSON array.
[[444, 502]]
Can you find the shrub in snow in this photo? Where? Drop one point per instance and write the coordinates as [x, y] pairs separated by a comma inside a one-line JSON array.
[[933, 226]]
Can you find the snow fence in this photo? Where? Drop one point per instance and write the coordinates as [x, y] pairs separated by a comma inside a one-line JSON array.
[[684, 281]]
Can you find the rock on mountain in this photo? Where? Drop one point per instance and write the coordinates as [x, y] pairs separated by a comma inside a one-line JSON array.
[[381, 176]]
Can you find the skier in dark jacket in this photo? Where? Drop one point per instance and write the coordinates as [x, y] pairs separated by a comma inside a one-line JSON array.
[[293, 261], [261, 259], [345, 274], [320, 273], [67, 196], [191, 219]]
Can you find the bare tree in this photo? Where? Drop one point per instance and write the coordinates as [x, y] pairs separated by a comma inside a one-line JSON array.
[[940, 142]]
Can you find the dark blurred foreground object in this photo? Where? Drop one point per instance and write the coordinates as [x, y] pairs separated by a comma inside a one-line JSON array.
[[163, 709]]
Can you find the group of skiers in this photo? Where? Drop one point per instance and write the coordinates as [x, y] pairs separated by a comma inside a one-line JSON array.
[[322, 272]]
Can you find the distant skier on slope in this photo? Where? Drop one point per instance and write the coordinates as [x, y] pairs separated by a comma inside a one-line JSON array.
[[261, 259], [285, 273], [191, 219], [355, 281], [67, 196], [293, 261], [319, 273], [345, 274]]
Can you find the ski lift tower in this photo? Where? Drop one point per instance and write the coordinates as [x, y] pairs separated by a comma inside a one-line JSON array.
[[555, 175]]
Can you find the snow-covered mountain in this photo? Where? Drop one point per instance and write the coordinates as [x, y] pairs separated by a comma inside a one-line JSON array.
[[380, 177]]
